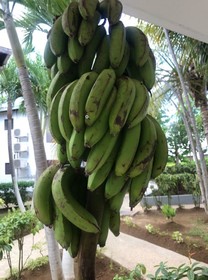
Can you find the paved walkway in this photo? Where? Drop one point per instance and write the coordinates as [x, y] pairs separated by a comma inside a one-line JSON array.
[[128, 251]]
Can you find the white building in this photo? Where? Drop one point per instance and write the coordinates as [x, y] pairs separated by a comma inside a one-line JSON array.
[[22, 147]]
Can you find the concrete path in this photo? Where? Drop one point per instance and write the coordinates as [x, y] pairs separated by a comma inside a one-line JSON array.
[[126, 250], [129, 251]]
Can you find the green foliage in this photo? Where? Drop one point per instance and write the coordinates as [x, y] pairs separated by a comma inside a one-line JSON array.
[[135, 274], [192, 272], [40, 80], [200, 229], [2, 203], [151, 229], [16, 225], [164, 272], [178, 179], [7, 192], [184, 167], [178, 144], [33, 264], [168, 211], [10, 87], [128, 221], [177, 236]]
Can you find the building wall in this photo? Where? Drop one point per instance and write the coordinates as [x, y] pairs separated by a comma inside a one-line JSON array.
[[22, 147]]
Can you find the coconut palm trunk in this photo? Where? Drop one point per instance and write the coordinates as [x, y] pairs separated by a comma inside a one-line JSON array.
[[192, 121], [193, 147], [35, 128], [203, 105]]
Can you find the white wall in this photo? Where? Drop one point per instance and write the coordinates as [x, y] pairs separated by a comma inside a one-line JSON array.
[[20, 122]]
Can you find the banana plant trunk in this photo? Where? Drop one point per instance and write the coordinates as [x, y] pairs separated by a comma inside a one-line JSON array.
[[84, 264], [35, 128]]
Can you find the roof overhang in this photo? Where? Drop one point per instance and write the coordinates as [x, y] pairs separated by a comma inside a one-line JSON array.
[[5, 53], [188, 17]]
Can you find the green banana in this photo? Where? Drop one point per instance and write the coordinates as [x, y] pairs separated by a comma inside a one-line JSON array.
[[95, 132], [102, 60], [123, 104], [88, 57], [140, 106], [133, 71], [111, 10], [100, 153], [147, 71], [104, 228], [117, 43], [75, 163], [98, 177], [120, 70], [60, 80], [87, 29], [127, 151], [64, 122], [61, 153], [53, 118], [48, 55], [114, 223], [98, 95], [114, 184], [76, 145], [115, 11], [75, 50], [71, 19], [116, 201], [75, 242], [68, 205], [58, 39], [161, 151], [53, 71], [87, 8], [138, 44], [42, 195], [146, 148], [78, 100], [62, 229], [139, 185], [103, 8], [64, 63]]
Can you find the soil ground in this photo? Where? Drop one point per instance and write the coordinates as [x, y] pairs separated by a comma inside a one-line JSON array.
[[192, 224], [106, 269]]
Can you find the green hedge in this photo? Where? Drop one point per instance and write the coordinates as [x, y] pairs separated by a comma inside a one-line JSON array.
[[7, 192], [180, 179]]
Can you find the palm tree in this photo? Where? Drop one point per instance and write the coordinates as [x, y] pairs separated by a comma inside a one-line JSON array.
[[193, 57], [34, 123], [178, 82], [193, 125]]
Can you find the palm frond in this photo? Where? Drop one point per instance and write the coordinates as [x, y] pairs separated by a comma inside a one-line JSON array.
[[31, 22]]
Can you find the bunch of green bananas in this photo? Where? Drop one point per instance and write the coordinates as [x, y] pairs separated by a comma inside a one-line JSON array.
[[98, 115]]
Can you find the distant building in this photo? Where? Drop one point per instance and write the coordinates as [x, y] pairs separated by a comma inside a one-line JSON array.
[[22, 147]]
